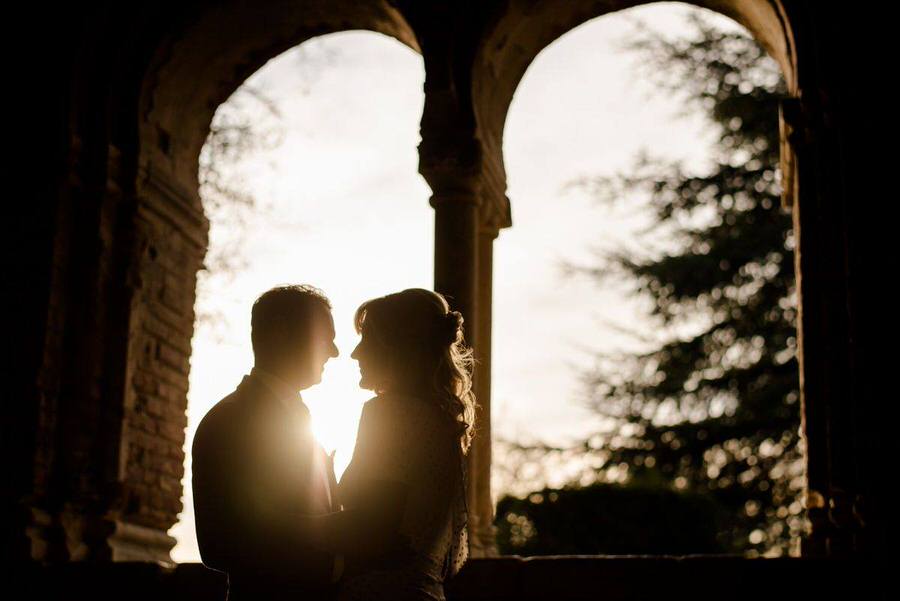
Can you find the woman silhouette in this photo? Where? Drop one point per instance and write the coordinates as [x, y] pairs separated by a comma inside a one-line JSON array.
[[408, 467]]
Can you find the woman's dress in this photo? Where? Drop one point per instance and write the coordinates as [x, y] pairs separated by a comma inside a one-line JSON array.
[[409, 440]]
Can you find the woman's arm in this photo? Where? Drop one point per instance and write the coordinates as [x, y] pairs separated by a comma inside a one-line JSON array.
[[371, 525], [367, 530]]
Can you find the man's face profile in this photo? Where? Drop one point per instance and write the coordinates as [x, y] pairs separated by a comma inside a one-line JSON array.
[[293, 335], [319, 348]]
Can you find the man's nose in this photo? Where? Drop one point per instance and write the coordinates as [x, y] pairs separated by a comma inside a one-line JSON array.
[[334, 350]]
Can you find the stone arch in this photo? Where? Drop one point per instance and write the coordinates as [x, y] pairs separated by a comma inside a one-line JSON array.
[[226, 46], [558, 108], [516, 37], [190, 73], [509, 42]]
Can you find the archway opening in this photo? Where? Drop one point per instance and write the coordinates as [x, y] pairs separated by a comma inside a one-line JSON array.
[[578, 392], [310, 176]]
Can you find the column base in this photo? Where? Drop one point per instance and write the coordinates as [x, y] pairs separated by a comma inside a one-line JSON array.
[[482, 539], [131, 542]]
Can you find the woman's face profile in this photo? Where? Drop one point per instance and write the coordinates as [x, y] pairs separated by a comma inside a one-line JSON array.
[[369, 354]]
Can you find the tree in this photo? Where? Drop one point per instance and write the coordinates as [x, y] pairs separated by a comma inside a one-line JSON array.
[[710, 405], [715, 407]]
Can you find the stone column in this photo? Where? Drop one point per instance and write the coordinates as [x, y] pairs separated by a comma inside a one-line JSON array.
[[467, 184], [483, 532], [844, 390], [99, 458], [167, 251], [465, 230], [456, 276], [456, 252]]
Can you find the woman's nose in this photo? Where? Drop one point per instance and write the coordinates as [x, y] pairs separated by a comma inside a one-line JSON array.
[[355, 353]]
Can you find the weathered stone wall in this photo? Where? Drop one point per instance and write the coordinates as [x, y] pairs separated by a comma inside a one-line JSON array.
[[167, 252], [100, 466]]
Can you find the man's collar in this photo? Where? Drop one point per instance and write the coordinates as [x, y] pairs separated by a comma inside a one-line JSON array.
[[283, 391], [288, 396]]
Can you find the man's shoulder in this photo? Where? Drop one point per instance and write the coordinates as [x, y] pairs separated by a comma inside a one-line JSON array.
[[230, 414]]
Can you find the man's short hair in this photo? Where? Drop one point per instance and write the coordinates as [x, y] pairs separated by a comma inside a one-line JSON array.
[[282, 316]]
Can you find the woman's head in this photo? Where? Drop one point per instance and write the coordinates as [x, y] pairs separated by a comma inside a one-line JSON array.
[[412, 342]]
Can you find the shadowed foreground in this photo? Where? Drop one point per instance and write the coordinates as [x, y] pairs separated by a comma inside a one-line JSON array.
[[559, 578]]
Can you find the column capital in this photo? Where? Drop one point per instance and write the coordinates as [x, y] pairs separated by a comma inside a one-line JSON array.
[[457, 197], [460, 173], [450, 161]]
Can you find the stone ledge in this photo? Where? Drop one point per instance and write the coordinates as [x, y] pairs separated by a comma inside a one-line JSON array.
[[557, 578], [632, 578]]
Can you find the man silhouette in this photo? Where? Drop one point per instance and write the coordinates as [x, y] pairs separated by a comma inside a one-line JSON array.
[[256, 467]]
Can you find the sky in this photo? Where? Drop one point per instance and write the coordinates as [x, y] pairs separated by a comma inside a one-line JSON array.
[[342, 207]]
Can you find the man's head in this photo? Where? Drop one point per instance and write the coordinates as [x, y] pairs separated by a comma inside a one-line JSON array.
[[293, 334]]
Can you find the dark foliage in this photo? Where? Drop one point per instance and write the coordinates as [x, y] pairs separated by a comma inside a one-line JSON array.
[[710, 406], [607, 519], [713, 411]]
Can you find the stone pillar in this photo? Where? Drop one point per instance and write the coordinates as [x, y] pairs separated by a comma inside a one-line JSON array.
[[102, 415], [456, 252], [168, 248], [465, 229], [483, 532], [468, 185], [456, 276], [840, 323]]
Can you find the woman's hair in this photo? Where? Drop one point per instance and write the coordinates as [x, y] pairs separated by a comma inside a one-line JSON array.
[[424, 350]]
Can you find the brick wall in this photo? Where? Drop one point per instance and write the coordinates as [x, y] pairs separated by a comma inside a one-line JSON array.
[[168, 252]]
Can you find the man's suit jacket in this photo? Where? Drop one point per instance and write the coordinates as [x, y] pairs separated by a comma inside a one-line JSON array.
[[254, 464]]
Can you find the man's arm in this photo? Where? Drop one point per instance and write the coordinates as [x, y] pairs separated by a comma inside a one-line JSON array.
[[221, 530]]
